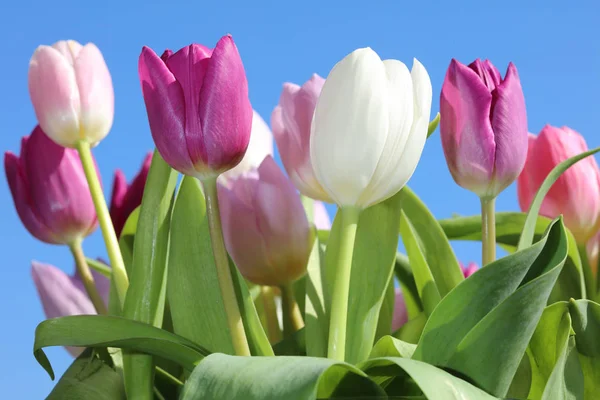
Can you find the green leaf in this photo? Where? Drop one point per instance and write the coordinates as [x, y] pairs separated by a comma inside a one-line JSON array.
[[534, 209], [99, 267], [585, 317], [372, 269], [433, 125], [566, 381], [389, 346], [501, 303], [220, 376], [397, 375], [88, 378], [509, 226], [131, 224], [386, 314], [411, 331], [108, 331], [409, 287], [316, 321], [433, 242]]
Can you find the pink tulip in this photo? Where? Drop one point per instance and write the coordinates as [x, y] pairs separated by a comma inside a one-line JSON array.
[[198, 107], [470, 269], [576, 193], [63, 295], [291, 121], [72, 93], [483, 126], [49, 190], [264, 225], [126, 198], [320, 216]]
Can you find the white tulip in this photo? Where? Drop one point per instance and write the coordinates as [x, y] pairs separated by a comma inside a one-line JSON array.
[[369, 128]]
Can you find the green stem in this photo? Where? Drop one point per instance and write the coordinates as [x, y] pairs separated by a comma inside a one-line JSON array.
[[99, 267], [341, 286], [119, 275], [488, 230], [234, 318], [292, 317], [270, 310], [86, 277], [588, 276]]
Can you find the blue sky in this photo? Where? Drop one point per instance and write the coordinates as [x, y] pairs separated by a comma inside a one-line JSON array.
[[552, 43]]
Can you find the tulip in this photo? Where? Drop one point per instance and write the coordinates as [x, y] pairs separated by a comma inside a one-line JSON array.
[[72, 93], [63, 295], [50, 191], [483, 126], [320, 216], [198, 107], [265, 228], [576, 193], [260, 146], [593, 249], [369, 128], [470, 269], [126, 198], [291, 121], [400, 316]]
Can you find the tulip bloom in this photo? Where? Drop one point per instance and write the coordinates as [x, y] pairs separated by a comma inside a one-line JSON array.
[[320, 216], [470, 269], [63, 295], [49, 190], [72, 93], [483, 126], [198, 107], [265, 227], [576, 193], [369, 128], [260, 146], [126, 198], [291, 121]]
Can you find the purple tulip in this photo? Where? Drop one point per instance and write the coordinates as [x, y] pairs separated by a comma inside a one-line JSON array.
[[483, 126], [126, 198], [49, 190], [198, 107], [63, 295]]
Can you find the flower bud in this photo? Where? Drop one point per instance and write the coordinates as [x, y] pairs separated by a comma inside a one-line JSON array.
[[369, 128], [264, 226], [483, 126], [72, 93], [49, 190], [198, 107], [126, 198], [400, 316], [469, 270], [576, 193]]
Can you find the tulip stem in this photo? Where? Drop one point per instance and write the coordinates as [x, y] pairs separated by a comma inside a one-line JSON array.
[[488, 230], [234, 318], [119, 275], [341, 286], [292, 317], [86, 277], [588, 276], [270, 314]]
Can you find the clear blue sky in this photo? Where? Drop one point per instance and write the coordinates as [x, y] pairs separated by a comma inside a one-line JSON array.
[[554, 45]]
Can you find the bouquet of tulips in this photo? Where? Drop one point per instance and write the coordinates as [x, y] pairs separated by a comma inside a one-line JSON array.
[[232, 283]]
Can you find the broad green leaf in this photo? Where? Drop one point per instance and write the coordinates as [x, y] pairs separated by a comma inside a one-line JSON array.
[[433, 125], [220, 376], [88, 378], [372, 269], [501, 303], [566, 381], [386, 314], [409, 287], [293, 345], [411, 331], [108, 331], [315, 319], [131, 224], [433, 242], [389, 346], [509, 226], [398, 374], [585, 317]]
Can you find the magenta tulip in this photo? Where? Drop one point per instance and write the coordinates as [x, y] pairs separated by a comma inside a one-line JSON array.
[[265, 227], [198, 107], [127, 197], [72, 93], [49, 190], [63, 295], [483, 126], [576, 193], [291, 121], [470, 269]]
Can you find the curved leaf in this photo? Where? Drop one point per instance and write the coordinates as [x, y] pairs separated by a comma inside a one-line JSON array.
[[220, 376], [389, 346], [585, 317], [407, 284]]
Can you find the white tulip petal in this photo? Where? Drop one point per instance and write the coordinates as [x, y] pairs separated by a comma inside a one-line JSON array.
[[422, 88], [350, 125]]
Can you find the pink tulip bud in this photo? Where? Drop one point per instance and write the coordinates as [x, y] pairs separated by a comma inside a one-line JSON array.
[[63, 295], [49, 190], [291, 121], [72, 93], [400, 316], [470, 269], [320, 216], [198, 107], [126, 198], [483, 126], [576, 193], [264, 225]]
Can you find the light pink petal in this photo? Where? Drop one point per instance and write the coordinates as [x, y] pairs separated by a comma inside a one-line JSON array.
[[320, 216]]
